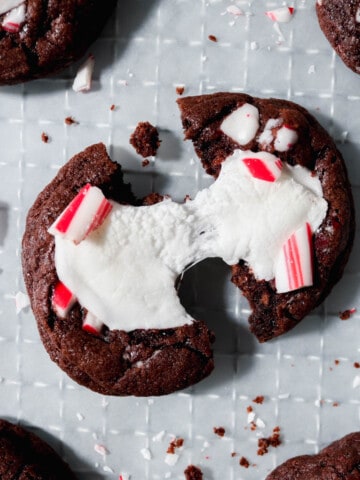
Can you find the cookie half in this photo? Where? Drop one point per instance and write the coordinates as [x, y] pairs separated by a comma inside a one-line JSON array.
[[224, 123], [340, 22], [25, 456], [341, 459], [139, 361], [38, 38]]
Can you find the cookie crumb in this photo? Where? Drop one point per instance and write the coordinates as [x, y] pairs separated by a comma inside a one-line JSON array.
[[45, 137], [112, 107], [176, 443], [249, 409], [193, 473], [70, 121], [259, 399], [180, 90], [145, 162], [272, 441], [233, 454], [335, 404], [220, 431], [356, 364], [336, 362], [212, 38], [145, 139], [244, 462], [346, 314]]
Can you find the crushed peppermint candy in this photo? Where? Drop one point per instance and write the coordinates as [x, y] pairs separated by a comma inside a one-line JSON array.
[[101, 449], [108, 469], [83, 78], [281, 15], [356, 382], [7, 5], [234, 10], [346, 314], [62, 300], [159, 436], [124, 476], [171, 459], [14, 19], [22, 301], [145, 452]]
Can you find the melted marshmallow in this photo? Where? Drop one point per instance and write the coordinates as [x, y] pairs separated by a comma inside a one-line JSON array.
[[285, 139], [124, 272]]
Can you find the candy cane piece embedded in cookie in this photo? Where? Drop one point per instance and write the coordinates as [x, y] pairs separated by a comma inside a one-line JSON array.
[[62, 300], [13, 20], [294, 265], [85, 213], [92, 324], [265, 167], [282, 14], [7, 5]]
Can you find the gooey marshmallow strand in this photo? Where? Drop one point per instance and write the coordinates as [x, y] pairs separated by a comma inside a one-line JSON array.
[[125, 271]]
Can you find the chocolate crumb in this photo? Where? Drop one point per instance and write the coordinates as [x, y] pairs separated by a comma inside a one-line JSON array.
[[145, 162], [356, 364], [244, 462], [180, 90], [249, 409], [219, 431], [346, 314], [259, 399], [193, 473], [212, 38], [335, 404], [113, 107], [233, 454], [336, 362], [70, 121], [176, 443], [272, 441], [45, 137], [145, 139]]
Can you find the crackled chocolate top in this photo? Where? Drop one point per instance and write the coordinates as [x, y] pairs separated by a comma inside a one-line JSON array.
[[338, 461], [340, 22], [26, 457], [52, 35], [138, 362]]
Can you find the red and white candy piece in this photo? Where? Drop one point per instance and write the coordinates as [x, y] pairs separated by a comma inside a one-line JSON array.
[[281, 15], [264, 166], [7, 5], [82, 81], [286, 137], [62, 300], [14, 19], [85, 213], [92, 324], [294, 265]]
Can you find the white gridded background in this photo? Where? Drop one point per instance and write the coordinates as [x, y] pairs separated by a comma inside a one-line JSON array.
[[147, 49]]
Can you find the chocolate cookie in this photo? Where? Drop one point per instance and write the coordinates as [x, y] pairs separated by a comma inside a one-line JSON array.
[[138, 361], [340, 460], [26, 456], [224, 123], [340, 22], [38, 37]]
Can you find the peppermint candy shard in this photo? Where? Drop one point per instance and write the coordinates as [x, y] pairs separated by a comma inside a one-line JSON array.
[[92, 324], [267, 168], [281, 15], [13, 20], [62, 300], [83, 78], [85, 213], [294, 265], [7, 5]]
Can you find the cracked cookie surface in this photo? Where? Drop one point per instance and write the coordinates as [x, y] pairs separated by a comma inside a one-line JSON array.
[[25, 456], [339, 461], [54, 34]]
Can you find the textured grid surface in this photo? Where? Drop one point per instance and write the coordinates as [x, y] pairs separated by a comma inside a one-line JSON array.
[[147, 49]]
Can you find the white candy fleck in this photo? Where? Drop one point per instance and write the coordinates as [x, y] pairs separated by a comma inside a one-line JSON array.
[[21, 301], [356, 382], [159, 436], [145, 452], [101, 449], [171, 459]]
